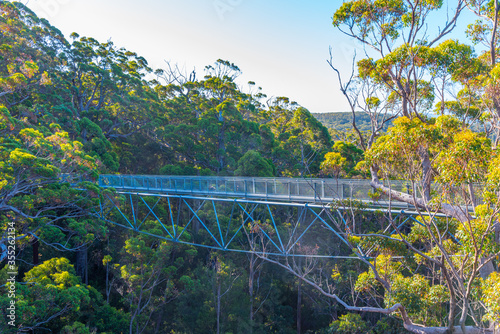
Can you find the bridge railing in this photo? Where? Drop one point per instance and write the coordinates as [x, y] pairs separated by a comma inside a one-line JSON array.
[[312, 190]]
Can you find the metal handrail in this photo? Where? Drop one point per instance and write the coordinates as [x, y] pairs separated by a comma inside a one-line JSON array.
[[280, 188]]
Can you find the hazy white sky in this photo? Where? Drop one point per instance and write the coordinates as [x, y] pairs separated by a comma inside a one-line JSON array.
[[282, 45]]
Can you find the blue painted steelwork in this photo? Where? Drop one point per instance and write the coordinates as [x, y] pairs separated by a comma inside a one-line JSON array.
[[275, 228], [190, 220], [157, 219], [248, 205], [251, 228]]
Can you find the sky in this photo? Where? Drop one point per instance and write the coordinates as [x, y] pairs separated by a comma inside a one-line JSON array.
[[281, 45]]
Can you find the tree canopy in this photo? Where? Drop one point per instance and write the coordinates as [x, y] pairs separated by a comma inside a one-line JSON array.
[[424, 128]]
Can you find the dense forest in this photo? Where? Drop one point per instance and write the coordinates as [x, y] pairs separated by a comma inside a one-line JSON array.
[[342, 121], [425, 109]]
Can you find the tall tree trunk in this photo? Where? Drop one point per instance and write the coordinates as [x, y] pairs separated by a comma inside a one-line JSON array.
[[299, 306], [453, 298], [472, 195], [221, 151], [81, 264], [108, 290], [35, 244], [251, 273], [218, 307], [426, 174], [158, 322], [493, 56]]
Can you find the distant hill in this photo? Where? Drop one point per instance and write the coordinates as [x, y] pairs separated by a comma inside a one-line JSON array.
[[342, 121]]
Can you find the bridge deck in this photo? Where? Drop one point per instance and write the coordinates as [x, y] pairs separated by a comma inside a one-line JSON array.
[[246, 201], [280, 189]]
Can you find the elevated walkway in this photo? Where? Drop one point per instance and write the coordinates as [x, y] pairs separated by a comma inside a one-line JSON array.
[[265, 216], [297, 190]]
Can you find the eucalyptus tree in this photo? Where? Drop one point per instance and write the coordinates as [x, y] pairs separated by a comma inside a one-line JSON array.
[[40, 161], [208, 123], [108, 86], [29, 53], [300, 139], [436, 273], [484, 89], [151, 275]]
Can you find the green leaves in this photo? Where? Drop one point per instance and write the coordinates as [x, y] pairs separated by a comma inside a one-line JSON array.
[[460, 156], [419, 298], [51, 289], [333, 164], [363, 17], [493, 176], [56, 271], [253, 164], [350, 323], [491, 291], [465, 160], [404, 139]]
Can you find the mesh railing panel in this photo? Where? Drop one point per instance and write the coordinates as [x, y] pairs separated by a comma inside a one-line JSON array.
[[255, 187], [280, 188]]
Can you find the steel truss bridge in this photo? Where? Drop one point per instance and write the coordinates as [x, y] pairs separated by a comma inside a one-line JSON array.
[[267, 216]]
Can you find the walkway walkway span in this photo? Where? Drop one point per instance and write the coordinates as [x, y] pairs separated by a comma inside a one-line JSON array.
[[298, 190], [266, 216]]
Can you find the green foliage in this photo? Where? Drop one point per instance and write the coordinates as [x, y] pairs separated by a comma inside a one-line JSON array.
[[469, 154], [333, 164], [389, 325], [76, 109], [491, 291], [350, 323], [50, 288], [253, 164], [301, 139], [418, 297], [459, 156], [343, 160], [342, 121], [76, 328]]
